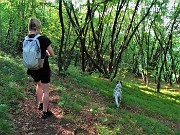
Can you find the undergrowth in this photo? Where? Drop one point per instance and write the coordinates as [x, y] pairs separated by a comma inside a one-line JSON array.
[[11, 89], [142, 110]]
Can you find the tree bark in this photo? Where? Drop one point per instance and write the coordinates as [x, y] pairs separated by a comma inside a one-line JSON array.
[[60, 59]]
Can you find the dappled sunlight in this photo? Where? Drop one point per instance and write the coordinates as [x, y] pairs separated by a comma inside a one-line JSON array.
[[146, 92], [141, 86], [129, 85], [164, 94], [146, 89], [171, 95], [87, 106], [94, 76], [171, 89]]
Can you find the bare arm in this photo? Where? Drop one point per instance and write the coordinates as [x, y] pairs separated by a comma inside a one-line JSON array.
[[50, 51]]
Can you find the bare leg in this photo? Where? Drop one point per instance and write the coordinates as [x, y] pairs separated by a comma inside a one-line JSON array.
[[39, 92], [45, 97]]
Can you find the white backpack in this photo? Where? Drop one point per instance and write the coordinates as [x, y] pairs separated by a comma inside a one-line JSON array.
[[32, 53]]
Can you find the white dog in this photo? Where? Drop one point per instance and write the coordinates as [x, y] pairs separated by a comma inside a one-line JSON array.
[[118, 93]]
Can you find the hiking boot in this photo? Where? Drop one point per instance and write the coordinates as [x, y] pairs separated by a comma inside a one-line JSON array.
[[46, 114], [40, 106]]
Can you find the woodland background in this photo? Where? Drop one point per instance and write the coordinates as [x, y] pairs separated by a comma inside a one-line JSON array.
[[96, 42], [109, 37]]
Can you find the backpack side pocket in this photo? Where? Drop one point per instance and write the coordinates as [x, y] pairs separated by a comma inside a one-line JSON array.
[[41, 62]]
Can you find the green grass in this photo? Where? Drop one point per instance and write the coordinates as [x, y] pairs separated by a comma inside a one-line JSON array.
[[11, 89], [5, 125], [136, 95], [154, 107], [143, 111]]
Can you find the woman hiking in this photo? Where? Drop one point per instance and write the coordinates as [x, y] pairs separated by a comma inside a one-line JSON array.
[[41, 76]]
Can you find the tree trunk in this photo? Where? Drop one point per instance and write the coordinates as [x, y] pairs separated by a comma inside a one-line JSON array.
[[60, 59]]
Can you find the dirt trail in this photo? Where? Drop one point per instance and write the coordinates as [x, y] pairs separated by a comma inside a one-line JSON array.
[[28, 119], [29, 122]]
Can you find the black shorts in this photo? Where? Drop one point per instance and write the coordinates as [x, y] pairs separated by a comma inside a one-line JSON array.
[[39, 75]]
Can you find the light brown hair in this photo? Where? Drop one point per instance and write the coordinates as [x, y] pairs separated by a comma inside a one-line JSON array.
[[34, 24]]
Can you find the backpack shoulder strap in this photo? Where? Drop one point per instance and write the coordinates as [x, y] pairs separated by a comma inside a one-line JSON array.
[[37, 41], [38, 35], [26, 38]]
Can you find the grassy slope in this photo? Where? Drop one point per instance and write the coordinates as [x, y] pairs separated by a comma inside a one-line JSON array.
[[11, 89], [142, 112]]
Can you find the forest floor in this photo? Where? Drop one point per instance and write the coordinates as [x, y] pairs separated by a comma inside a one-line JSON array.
[[28, 119]]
